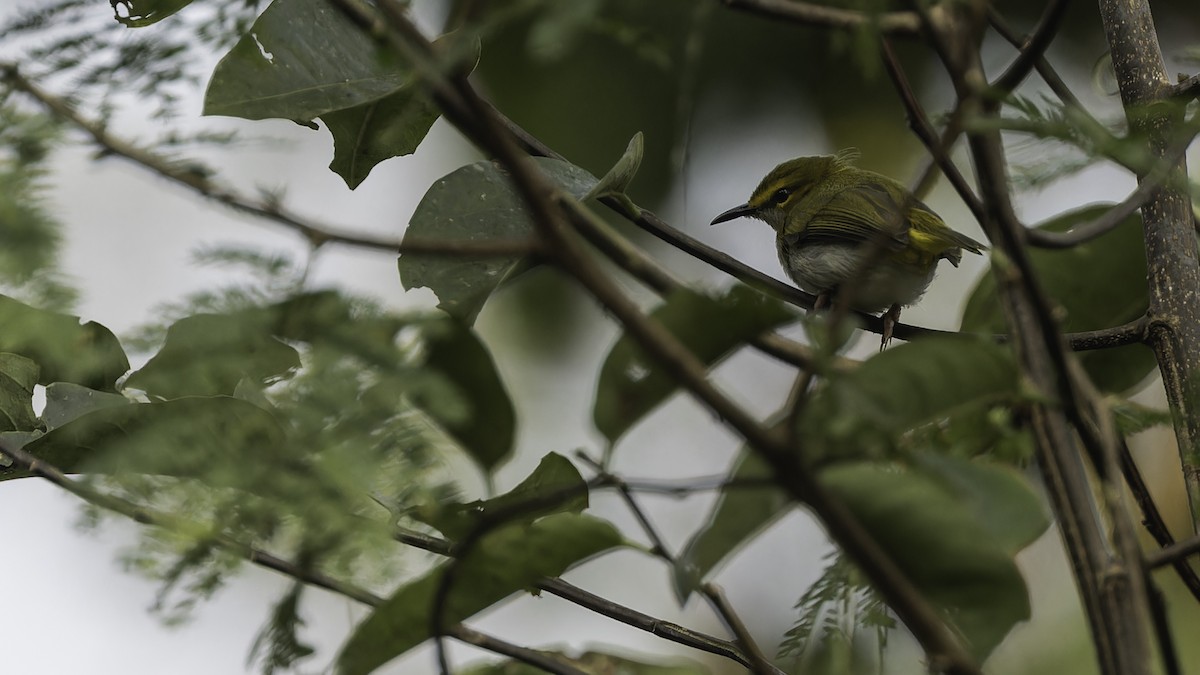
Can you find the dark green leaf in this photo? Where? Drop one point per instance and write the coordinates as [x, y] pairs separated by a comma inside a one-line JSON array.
[[476, 203], [300, 60], [187, 437], [863, 412], [618, 178], [208, 354], [1100, 284], [65, 350], [740, 514], [506, 561], [66, 401], [555, 479], [18, 375], [140, 13], [487, 430], [1132, 418], [938, 540], [631, 384], [366, 135]]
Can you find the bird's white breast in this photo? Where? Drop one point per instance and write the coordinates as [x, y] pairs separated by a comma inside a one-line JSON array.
[[821, 267]]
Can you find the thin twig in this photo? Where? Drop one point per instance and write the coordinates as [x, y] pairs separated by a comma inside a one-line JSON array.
[[1174, 553], [186, 175], [811, 14], [546, 662], [1034, 48]]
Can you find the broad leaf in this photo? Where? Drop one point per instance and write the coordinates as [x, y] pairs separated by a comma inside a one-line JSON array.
[[863, 412], [1100, 284], [140, 13], [66, 401], [368, 134], [476, 203], [18, 375], [226, 441], [64, 349], [487, 429], [555, 479], [740, 515], [300, 60], [208, 354], [506, 561], [631, 384], [950, 542]]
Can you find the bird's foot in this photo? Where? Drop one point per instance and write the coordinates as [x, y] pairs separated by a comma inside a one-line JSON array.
[[890, 319]]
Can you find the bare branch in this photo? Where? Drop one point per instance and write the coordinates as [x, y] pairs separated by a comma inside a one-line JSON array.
[[188, 177], [812, 14], [1031, 52]]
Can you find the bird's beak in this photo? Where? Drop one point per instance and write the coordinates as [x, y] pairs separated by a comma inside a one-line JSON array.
[[735, 212]]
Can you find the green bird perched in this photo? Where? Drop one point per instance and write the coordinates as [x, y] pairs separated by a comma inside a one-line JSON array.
[[838, 228]]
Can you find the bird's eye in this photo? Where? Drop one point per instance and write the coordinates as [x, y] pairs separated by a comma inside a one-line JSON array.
[[780, 195]]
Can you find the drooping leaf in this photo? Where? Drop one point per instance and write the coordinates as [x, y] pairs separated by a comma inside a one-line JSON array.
[[18, 375], [631, 384], [487, 430], [1100, 284], [960, 561], [505, 561], [555, 479], [300, 60], [66, 401], [740, 514], [863, 412], [208, 354], [64, 349], [476, 203], [187, 437], [368, 134], [140, 13]]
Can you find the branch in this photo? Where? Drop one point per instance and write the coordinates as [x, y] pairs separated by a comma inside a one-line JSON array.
[[811, 14], [1186, 89], [1174, 553], [187, 176], [531, 657], [1032, 50]]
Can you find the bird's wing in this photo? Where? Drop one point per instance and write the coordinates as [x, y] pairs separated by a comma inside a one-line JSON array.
[[856, 214]]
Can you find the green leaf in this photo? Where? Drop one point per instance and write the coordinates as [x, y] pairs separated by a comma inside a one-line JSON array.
[[618, 178], [141, 13], [506, 561], [631, 384], [487, 430], [223, 440], [740, 515], [66, 401], [300, 60], [476, 203], [208, 354], [1132, 418], [940, 542], [18, 375], [1100, 284], [64, 349], [864, 411], [366, 135], [555, 478]]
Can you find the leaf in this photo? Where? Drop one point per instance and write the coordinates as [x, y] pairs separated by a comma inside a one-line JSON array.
[[476, 203], [208, 354], [66, 401], [1100, 284], [224, 440], [740, 515], [64, 349], [1132, 418], [864, 411], [487, 430], [939, 541], [368, 134], [300, 60], [18, 375], [631, 384], [555, 478], [618, 178], [141, 13], [506, 561]]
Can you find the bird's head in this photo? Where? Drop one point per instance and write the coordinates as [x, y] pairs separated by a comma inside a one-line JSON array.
[[786, 185]]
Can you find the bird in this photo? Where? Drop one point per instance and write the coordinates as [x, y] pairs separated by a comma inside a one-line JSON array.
[[842, 229]]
